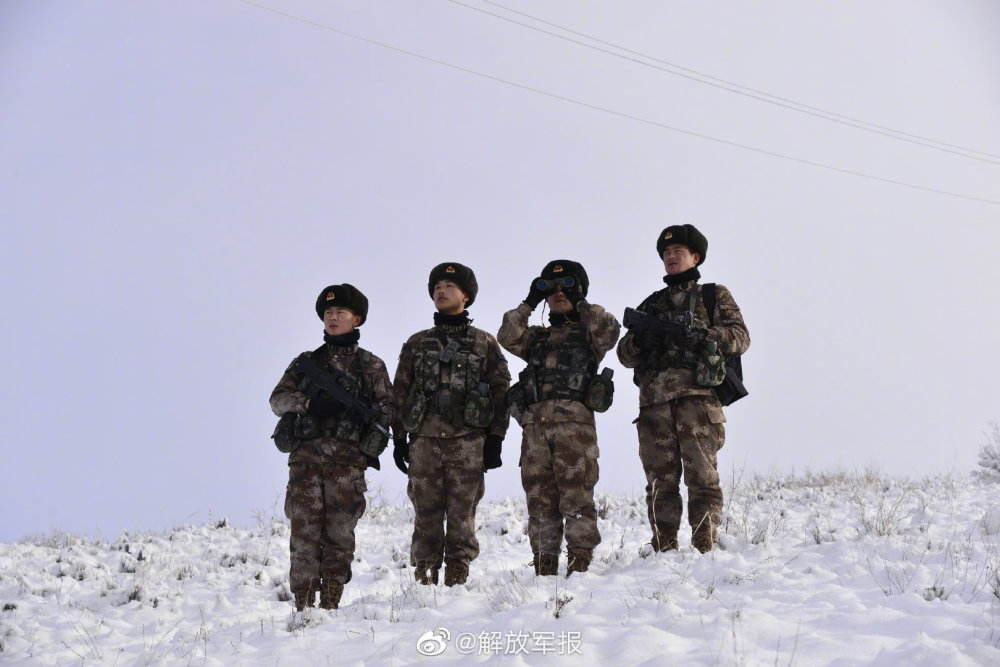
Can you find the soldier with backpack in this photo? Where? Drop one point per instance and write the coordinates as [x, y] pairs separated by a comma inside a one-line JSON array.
[[677, 343]]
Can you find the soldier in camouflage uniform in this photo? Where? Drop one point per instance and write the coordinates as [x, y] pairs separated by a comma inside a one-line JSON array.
[[551, 402], [326, 471], [681, 423], [450, 385]]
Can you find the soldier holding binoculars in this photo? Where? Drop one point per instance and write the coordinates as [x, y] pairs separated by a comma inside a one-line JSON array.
[[554, 401]]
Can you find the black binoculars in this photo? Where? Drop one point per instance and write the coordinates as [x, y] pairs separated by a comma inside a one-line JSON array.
[[551, 284]]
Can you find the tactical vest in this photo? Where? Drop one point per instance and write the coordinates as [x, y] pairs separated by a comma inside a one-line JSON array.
[[575, 365], [671, 354], [447, 374], [347, 426]]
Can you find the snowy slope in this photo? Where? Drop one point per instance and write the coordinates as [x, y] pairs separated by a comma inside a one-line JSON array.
[[832, 569]]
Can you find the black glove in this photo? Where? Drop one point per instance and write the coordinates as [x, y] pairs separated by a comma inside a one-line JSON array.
[[650, 339], [535, 295], [401, 453], [324, 406], [491, 452]]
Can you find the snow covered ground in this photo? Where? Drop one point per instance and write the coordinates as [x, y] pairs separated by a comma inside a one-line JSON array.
[[834, 569]]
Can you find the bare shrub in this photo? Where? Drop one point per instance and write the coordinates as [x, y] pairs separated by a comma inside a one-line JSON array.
[[559, 603], [989, 454]]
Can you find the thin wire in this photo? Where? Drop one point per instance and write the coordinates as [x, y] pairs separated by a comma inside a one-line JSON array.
[[612, 112], [737, 88]]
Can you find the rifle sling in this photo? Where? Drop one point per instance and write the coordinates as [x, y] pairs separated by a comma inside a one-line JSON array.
[[708, 296]]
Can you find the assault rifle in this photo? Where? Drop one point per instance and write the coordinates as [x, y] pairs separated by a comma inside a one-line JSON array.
[[329, 380], [675, 325]]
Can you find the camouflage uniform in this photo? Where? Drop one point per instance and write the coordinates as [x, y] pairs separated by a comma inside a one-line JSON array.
[[326, 479], [559, 468], [681, 424], [446, 472]]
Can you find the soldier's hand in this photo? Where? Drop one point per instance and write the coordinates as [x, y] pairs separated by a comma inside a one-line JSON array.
[[535, 295], [650, 339], [491, 452], [693, 336], [401, 453], [324, 406]]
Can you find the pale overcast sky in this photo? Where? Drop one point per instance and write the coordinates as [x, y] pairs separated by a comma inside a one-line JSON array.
[[178, 180]]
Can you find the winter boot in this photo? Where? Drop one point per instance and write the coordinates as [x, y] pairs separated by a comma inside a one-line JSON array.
[[455, 573], [329, 595], [304, 597], [703, 539], [703, 536], [546, 565], [425, 574], [664, 541], [578, 560]]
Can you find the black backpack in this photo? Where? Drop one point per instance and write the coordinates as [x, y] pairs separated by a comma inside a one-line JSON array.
[[731, 389]]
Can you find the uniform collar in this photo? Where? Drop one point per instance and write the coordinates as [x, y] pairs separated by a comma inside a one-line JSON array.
[[691, 275]]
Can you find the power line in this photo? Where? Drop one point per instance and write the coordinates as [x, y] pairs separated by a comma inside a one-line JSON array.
[[613, 112], [732, 87]]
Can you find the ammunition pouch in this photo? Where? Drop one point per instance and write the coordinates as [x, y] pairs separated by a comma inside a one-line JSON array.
[[710, 368], [600, 391], [478, 412], [466, 372], [516, 402], [293, 429], [375, 438], [348, 428], [474, 408], [529, 385], [414, 409], [285, 434]]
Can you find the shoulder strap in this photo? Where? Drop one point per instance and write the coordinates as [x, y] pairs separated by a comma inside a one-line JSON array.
[[479, 341], [708, 296], [361, 359], [321, 356], [649, 299]]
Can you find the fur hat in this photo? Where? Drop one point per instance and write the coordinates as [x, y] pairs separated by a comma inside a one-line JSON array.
[[559, 268], [344, 296], [457, 273], [686, 235]]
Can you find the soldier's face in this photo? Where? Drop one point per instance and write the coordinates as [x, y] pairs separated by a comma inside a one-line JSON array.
[[678, 258], [449, 299], [558, 303], [338, 321]]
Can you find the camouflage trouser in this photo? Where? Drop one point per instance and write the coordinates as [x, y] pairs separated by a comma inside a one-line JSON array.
[[559, 471], [683, 434], [446, 485], [323, 502]]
